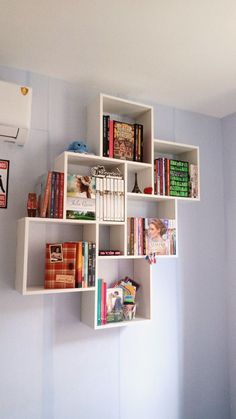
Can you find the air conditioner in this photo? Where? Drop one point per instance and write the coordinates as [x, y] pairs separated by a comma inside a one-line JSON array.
[[15, 112]]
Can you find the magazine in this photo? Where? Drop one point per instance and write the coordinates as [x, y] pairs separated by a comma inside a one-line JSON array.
[[114, 305], [80, 202], [160, 236]]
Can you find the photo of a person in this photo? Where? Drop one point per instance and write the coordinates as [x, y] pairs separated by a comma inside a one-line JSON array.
[[83, 185], [118, 302], [56, 253], [156, 241]]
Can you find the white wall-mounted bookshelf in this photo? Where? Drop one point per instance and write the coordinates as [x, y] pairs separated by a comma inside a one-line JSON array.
[[34, 233]]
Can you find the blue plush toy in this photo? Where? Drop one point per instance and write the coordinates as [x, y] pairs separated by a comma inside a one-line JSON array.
[[78, 147]]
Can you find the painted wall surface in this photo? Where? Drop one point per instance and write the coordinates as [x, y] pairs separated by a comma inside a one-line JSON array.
[[229, 135], [54, 367]]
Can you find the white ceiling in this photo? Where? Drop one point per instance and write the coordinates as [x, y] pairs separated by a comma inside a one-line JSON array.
[[175, 52]]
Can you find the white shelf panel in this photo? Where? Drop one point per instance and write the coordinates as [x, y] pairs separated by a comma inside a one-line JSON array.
[[168, 147], [136, 321], [148, 197], [57, 221], [112, 223], [134, 166], [124, 107], [41, 290]]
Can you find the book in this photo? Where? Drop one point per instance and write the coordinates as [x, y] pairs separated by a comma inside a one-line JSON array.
[[123, 140], [99, 297], [43, 193], [80, 202], [114, 305], [160, 236], [60, 265], [193, 181]]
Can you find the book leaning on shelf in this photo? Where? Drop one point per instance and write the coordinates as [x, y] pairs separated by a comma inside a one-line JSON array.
[[80, 200], [70, 265], [50, 194]]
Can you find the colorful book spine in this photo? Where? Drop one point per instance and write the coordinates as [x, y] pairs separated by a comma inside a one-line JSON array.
[[99, 295], [103, 302], [61, 195], [111, 137]]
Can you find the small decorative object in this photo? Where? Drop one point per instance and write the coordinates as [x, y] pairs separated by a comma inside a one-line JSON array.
[[148, 190], [78, 147], [129, 311], [4, 175], [32, 204], [102, 172], [136, 187]]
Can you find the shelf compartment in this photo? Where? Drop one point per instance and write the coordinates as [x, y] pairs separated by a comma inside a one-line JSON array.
[[152, 208], [32, 236], [144, 176], [111, 271], [112, 237], [120, 110], [178, 151]]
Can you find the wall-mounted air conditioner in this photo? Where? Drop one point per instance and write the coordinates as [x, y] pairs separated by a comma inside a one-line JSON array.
[[15, 112]]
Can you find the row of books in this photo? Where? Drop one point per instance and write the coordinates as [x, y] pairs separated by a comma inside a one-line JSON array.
[[110, 199], [50, 194], [70, 265], [122, 140], [151, 236], [117, 303], [175, 178]]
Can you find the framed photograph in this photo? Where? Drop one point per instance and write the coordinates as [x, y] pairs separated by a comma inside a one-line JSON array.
[[56, 253], [4, 176]]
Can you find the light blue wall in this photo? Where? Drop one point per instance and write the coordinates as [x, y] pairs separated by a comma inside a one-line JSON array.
[[229, 138], [54, 367]]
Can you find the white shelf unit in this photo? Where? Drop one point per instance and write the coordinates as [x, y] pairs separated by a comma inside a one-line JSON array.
[[34, 233]]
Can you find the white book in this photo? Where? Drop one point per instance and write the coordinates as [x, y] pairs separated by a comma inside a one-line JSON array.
[[122, 199], [97, 198], [108, 199], [120, 215], [112, 199], [115, 199], [104, 199]]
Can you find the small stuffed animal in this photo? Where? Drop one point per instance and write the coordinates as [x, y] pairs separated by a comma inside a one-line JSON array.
[[78, 147]]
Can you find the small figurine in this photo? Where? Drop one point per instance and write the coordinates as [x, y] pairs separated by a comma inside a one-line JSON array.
[[136, 187], [32, 205], [78, 147]]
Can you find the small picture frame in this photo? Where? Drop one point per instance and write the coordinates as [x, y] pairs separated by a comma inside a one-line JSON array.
[[56, 253], [4, 176]]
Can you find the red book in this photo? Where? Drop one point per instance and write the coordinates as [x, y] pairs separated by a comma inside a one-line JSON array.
[[103, 302], [61, 195], [45, 195], [111, 136], [57, 184], [60, 265]]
